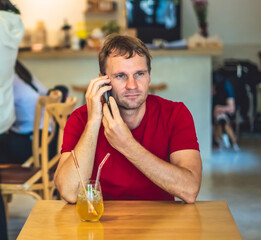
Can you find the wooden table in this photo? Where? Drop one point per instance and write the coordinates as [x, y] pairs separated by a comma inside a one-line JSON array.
[[133, 220]]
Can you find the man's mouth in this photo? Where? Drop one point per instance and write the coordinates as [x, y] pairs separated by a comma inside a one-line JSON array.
[[131, 95]]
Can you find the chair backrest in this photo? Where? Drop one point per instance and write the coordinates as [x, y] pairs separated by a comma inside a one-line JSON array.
[[153, 88], [38, 181], [53, 97], [60, 113]]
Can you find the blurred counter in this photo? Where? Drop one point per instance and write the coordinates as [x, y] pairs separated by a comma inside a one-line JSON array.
[[187, 74], [63, 54]]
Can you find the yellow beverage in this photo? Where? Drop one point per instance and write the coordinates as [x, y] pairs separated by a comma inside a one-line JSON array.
[[90, 209]]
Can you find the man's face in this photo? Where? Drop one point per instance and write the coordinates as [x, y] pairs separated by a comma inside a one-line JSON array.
[[130, 80]]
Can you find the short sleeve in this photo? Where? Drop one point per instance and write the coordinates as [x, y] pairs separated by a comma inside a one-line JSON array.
[[183, 133], [73, 130], [229, 90]]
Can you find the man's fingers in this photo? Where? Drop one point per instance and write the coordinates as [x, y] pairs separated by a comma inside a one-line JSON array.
[[96, 83], [114, 108], [104, 89], [106, 113], [104, 122]]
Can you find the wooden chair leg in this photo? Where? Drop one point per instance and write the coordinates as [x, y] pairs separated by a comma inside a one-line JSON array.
[[3, 219], [54, 194]]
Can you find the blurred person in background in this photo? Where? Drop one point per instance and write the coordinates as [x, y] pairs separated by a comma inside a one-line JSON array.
[[11, 33], [224, 108], [17, 144]]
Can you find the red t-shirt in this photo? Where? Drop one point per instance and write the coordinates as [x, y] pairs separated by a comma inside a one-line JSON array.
[[165, 128]]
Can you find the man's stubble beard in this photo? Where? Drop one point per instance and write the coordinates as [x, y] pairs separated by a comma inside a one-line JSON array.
[[126, 106]]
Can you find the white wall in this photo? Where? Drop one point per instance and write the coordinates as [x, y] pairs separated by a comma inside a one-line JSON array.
[[52, 12], [236, 22]]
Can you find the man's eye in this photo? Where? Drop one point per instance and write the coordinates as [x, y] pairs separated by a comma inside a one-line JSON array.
[[120, 76], [139, 74]]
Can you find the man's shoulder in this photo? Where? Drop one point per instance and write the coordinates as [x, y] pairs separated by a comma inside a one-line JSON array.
[[80, 113], [80, 110]]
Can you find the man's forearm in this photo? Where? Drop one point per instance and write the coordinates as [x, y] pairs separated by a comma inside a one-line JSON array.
[[66, 176], [177, 180]]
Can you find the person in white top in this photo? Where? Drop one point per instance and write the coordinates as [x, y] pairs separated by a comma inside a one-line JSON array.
[[11, 33], [27, 90], [17, 144]]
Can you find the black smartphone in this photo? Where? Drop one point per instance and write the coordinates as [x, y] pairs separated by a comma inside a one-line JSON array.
[[106, 95]]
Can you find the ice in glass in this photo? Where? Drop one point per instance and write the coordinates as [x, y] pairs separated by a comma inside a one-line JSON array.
[[90, 208]]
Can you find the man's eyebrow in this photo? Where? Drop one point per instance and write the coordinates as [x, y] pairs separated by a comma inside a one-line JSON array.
[[138, 71], [142, 71], [118, 73]]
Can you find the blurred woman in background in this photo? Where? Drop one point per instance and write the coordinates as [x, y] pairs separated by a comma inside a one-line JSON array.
[[17, 144], [11, 33]]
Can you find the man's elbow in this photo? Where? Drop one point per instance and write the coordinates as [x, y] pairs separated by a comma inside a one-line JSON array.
[[190, 199], [191, 195], [64, 192]]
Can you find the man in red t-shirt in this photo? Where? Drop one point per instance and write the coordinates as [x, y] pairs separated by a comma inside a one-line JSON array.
[[152, 141]]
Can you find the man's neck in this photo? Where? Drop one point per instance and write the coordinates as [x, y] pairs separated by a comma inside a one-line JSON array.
[[134, 117]]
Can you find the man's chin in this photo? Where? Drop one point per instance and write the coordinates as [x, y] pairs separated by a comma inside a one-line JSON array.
[[130, 106], [130, 103]]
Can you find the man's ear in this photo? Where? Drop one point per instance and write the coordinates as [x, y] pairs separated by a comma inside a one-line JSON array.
[[100, 74]]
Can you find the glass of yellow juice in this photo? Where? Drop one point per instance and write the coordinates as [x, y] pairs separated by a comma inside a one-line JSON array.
[[90, 208]]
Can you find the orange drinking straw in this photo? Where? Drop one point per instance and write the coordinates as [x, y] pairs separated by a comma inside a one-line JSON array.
[[80, 176]]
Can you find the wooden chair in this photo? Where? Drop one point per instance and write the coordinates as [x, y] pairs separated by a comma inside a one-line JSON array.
[[37, 180], [55, 96], [60, 113], [34, 160], [153, 88]]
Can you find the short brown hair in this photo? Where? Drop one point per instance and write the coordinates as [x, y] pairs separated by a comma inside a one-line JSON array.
[[6, 5], [121, 46]]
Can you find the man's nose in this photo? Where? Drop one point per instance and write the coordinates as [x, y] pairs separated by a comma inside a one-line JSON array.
[[131, 83]]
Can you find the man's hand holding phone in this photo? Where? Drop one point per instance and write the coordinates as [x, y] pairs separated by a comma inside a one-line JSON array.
[[96, 88], [115, 129]]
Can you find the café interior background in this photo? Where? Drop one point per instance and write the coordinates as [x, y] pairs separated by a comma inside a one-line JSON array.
[[236, 22]]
